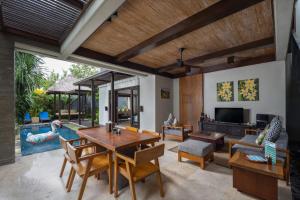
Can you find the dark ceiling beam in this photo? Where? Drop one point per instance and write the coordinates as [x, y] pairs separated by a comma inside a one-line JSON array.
[[242, 63], [74, 3], [110, 59], [199, 59], [224, 66], [205, 17]]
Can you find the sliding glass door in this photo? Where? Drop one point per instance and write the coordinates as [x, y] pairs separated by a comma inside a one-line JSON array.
[[127, 106]]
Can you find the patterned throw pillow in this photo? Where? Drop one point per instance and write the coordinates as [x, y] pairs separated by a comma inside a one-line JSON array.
[[259, 140], [274, 131]]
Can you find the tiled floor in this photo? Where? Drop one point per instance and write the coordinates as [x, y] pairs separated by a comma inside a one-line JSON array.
[[35, 177]]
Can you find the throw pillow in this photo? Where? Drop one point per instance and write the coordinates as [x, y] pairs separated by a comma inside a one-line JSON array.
[[274, 131], [259, 140], [175, 122], [169, 121]]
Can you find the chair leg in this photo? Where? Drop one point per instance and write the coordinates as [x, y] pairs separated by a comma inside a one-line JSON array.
[[110, 173], [71, 181], [160, 184], [69, 178], [131, 183], [82, 188], [63, 167], [116, 168]]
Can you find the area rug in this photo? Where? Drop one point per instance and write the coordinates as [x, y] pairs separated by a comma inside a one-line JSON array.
[[220, 157]]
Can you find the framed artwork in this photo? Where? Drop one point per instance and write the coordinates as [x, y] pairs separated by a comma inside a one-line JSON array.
[[225, 91], [165, 93], [248, 90]]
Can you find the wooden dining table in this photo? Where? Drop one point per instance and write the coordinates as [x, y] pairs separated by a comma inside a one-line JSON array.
[[115, 142]]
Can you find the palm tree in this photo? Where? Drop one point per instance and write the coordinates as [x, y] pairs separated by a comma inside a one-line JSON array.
[[28, 76]]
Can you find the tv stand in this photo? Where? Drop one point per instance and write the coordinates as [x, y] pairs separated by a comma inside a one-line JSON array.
[[230, 129]]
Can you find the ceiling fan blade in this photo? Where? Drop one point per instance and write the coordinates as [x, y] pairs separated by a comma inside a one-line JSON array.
[[193, 71], [192, 66], [187, 69]]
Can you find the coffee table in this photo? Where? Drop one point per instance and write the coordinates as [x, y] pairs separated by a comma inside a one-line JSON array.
[[217, 139], [256, 179]]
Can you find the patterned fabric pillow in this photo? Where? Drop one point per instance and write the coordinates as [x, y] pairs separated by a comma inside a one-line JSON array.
[[274, 131], [259, 140]]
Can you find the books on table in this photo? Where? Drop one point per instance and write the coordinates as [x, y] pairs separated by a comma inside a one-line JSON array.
[[256, 158]]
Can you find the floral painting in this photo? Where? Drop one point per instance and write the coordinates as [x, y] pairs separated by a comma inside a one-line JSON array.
[[225, 91], [248, 90]]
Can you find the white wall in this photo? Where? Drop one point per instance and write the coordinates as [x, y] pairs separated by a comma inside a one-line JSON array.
[[271, 89], [176, 102], [163, 106], [156, 110], [147, 100]]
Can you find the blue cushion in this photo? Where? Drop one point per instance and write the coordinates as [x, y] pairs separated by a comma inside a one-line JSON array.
[[196, 147], [173, 132]]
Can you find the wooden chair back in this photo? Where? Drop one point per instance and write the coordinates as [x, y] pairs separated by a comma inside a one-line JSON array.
[[149, 154], [133, 129], [63, 143], [73, 153]]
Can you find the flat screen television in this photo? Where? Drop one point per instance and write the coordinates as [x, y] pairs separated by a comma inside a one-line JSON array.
[[231, 115]]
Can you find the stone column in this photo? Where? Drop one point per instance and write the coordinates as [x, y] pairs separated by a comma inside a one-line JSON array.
[[7, 100]]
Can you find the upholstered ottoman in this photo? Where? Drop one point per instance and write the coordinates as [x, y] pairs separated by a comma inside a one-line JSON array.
[[197, 151]]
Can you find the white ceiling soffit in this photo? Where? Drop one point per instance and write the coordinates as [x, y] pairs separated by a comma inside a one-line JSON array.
[[75, 58], [93, 17], [283, 13], [110, 66]]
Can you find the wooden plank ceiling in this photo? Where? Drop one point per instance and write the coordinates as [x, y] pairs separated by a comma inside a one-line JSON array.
[[139, 20]]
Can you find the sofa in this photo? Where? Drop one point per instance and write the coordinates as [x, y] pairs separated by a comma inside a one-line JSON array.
[[248, 145]]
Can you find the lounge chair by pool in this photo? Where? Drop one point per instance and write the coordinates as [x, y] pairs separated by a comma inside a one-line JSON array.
[[44, 117], [27, 118]]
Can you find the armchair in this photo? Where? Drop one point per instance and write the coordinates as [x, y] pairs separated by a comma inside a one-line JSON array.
[[178, 132]]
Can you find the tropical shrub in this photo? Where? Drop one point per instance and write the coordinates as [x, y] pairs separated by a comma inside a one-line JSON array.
[[28, 76]]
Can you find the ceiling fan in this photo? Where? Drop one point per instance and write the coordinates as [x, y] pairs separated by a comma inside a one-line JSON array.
[[192, 69], [188, 68]]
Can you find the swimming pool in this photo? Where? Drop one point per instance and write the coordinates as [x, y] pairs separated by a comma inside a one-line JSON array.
[[28, 148]]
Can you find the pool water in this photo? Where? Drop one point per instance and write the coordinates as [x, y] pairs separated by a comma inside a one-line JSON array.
[[28, 148]]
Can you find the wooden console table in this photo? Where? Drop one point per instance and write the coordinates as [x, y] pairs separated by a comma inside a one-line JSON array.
[[256, 179], [230, 129]]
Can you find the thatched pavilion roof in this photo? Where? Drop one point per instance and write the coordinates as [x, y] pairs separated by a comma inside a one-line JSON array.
[[65, 86]]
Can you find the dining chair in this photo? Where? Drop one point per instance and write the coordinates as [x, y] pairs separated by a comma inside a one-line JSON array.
[[88, 165], [140, 167], [63, 143], [150, 133], [132, 129]]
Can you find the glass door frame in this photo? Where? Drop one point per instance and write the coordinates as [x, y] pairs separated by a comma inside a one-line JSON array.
[[132, 88]]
